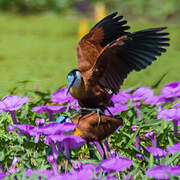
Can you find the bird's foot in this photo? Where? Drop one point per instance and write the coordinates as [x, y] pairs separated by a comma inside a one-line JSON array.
[[97, 110]]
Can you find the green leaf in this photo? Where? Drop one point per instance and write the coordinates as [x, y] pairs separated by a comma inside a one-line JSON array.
[[157, 83], [173, 158], [133, 137], [151, 161], [2, 156]]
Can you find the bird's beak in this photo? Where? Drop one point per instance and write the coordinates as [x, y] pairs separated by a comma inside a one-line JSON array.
[[69, 87]]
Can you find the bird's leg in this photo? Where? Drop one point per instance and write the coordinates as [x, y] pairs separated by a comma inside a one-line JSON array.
[[86, 110], [99, 116], [97, 110], [83, 113]]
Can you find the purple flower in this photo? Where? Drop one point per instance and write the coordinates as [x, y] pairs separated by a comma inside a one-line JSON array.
[[46, 129], [11, 104], [128, 177], [114, 154], [60, 97], [2, 174], [74, 105], [122, 97], [172, 114], [56, 128], [75, 175], [106, 148], [10, 128], [85, 173], [151, 135], [174, 149], [137, 138], [49, 109], [171, 90], [103, 150], [118, 108], [99, 148], [53, 161], [24, 128], [109, 178], [13, 168], [153, 100], [50, 142], [77, 165], [142, 93], [139, 156], [176, 106], [39, 122], [135, 128], [48, 173], [162, 171], [147, 95], [112, 165], [157, 152], [169, 114], [68, 142]]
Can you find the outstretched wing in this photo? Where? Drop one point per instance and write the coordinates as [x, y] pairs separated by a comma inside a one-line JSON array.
[[104, 32], [130, 52]]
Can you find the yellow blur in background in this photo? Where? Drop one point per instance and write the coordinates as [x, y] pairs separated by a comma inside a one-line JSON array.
[[99, 13]]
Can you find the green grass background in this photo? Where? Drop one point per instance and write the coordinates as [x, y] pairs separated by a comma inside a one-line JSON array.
[[42, 49]]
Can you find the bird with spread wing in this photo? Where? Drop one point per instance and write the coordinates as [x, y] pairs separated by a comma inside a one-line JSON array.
[[107, 54]]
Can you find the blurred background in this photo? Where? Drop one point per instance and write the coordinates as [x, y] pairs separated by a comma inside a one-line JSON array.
[[38, 39]]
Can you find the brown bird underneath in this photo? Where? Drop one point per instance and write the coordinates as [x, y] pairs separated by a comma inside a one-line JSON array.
[[89, 128], [105, 57]]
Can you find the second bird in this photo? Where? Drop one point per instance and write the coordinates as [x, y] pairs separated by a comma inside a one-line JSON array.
[[107, 54]]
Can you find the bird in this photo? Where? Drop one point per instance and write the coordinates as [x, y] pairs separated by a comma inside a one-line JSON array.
[[88, 126], [107, 54]]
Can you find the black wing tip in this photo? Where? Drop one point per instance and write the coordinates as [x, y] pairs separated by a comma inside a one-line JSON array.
[[157, 29], [113, 14], [113, 27], [110, 16], [153, 30], [160, 28]]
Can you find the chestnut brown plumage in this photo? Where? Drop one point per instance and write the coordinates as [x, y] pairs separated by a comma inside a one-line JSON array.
[[89, 128], [107, 54]]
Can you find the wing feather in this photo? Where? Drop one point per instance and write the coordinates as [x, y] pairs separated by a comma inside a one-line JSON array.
[[104, 32], [130, 52]]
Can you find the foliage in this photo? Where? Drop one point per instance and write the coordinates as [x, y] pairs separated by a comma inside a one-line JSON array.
[[133, 7], [29, 6], [148, 8], [142, 111]]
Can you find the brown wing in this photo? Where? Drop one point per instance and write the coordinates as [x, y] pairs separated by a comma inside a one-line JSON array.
[[131, 52], [103, 33], [89, 128]]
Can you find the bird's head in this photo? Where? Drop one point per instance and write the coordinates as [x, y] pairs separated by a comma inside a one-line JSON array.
[[74, 79]]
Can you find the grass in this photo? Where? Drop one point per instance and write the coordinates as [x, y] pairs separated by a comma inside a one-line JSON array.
[[42, 50]]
